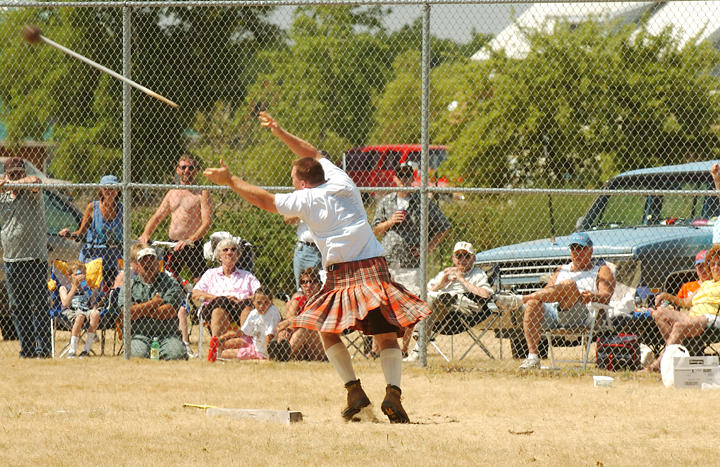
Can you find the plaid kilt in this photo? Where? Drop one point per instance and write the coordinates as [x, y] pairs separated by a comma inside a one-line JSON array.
[[351, 291]]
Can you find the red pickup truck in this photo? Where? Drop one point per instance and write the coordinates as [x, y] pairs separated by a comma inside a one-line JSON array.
[[371, 166]]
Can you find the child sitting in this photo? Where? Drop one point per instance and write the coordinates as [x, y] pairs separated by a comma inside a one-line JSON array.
[[79, 303], [252, 339]]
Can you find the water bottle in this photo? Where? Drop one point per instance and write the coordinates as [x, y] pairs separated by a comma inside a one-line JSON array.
[[155, 349]]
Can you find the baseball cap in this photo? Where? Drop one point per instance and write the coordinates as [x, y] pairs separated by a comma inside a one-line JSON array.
[[700, 257], [109, 180], [149, 251], [464, 246], [14, 163], [580, 238]]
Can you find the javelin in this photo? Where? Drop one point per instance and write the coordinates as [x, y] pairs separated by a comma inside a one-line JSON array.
[[33, 35]]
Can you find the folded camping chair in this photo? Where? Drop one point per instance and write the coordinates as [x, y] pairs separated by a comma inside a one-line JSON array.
[[468, 311]]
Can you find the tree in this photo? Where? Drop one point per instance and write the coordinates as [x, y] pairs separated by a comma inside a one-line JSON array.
[[320, 86], [194, 56], [586, 103]]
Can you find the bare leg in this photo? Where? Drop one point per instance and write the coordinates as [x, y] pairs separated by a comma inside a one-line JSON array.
[[532, 321], [182, 323], [686, 326], [94, 321], [565, 293], [77, 325], [219, 322]]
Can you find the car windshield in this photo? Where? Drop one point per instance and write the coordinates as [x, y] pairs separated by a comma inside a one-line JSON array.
[[360, 160], [642, 210], [437, 156]]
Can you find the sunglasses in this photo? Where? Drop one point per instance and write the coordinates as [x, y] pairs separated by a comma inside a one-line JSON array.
[[463, 255], [307, 281], [186, 167], [229, 249]]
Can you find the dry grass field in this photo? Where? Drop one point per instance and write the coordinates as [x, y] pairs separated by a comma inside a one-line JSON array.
[[109, 411]]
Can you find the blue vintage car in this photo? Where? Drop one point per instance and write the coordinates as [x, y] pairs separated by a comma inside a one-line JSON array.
[[647, 235]]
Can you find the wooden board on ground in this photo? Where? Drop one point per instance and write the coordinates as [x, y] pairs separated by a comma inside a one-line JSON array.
[[281, 416]]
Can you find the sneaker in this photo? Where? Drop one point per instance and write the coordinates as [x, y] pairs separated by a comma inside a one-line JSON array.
[[530, 363], [392, 407], [646, 356], [189, 351], [84, 354], [70, 354], [212, 349], [507, 301], [412, 357]]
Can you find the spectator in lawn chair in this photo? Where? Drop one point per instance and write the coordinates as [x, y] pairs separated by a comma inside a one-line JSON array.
[[445, 289], [302, 344], [563, 301], [156, 298], [696, 313], [250, 342], [226, 293], [103, 229], [80, 302], [24, 244], [688, 288]]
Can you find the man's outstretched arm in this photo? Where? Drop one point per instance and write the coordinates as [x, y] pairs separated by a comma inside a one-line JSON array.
[[250, 193], [297, 145]]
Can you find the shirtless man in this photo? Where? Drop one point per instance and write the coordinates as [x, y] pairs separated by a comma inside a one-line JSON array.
[[190, 218]]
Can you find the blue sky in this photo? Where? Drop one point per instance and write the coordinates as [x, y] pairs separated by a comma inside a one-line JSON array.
[[454, 22]]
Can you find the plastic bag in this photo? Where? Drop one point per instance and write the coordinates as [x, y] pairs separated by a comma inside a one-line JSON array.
[[667, 364]]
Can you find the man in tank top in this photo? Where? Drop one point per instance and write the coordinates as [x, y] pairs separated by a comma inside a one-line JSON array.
[[562, 302]]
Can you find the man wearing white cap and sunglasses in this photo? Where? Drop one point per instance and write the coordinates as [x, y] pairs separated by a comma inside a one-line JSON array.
[[563, 300], [459, 279]]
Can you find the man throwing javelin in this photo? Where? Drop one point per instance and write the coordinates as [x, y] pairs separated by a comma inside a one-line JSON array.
[[358, 293]]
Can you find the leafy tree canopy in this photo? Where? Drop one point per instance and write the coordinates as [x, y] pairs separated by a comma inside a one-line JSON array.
[[193, 56]]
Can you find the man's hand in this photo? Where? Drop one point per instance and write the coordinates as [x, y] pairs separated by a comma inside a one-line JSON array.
[[180, 244], [715, 171], [220, 175], [586, 296], [660, 298], [144, 239], [268, 121]]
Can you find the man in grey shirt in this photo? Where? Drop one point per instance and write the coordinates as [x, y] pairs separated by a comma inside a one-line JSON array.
[[397, 221], [24, 244]]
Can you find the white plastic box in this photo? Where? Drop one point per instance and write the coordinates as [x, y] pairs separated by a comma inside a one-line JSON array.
[[692, 372]]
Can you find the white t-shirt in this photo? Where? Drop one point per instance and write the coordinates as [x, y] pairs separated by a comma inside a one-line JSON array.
[[260, 326], [303, 233], [335, 215]]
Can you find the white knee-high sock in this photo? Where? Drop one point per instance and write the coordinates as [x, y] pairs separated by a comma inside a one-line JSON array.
[[391, 363], [340, 359], [91, 337], [74, 343]]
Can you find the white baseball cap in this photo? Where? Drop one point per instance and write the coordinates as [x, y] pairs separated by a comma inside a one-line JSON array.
[[465, 246], [146, 252]]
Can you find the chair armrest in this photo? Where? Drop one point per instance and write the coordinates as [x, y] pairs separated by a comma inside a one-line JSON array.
[[601, 314]]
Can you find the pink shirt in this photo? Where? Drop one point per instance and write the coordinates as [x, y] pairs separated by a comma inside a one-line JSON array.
[[241, 284]]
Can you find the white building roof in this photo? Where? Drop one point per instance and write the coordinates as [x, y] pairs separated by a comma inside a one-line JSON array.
[[700, 20], [544, 16]]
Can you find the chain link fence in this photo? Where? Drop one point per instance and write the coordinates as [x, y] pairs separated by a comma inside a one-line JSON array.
[[564, 149]]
